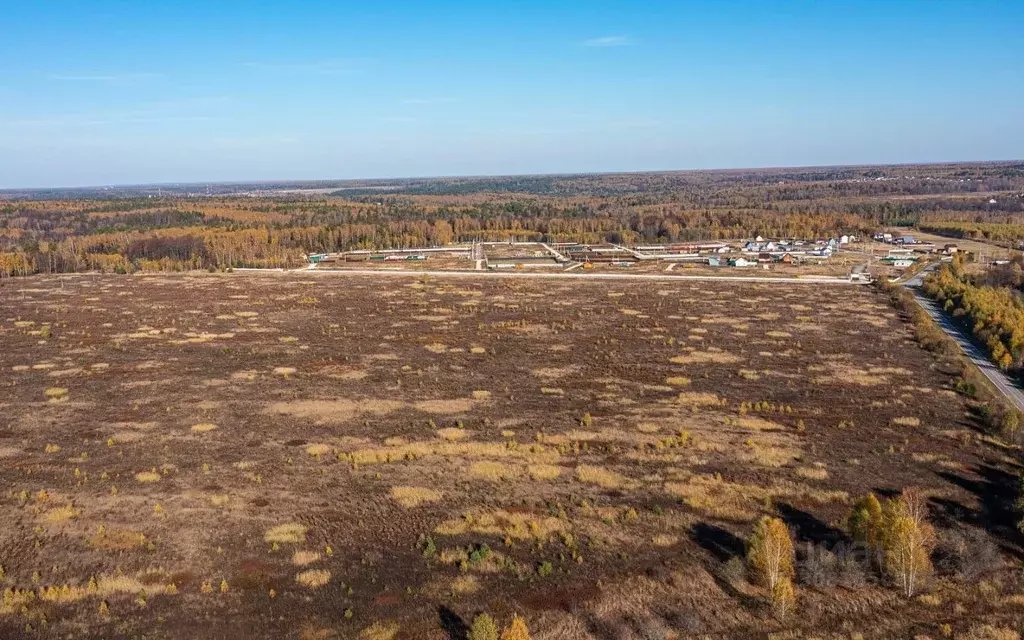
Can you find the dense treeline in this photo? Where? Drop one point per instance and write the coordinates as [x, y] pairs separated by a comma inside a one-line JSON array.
[[991, 304], [134, 231], [1005, 234]]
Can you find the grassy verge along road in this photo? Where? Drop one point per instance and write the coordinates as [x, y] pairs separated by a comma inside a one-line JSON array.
[[1004, 383]]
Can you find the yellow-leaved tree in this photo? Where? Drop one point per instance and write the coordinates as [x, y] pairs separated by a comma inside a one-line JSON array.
[[483, 628], [517, 630], [783, 598], [865, 521], [907, 540], [770, 552]]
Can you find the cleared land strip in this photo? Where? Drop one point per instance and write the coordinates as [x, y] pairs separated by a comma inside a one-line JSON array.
[[561, 274], [996, 375]]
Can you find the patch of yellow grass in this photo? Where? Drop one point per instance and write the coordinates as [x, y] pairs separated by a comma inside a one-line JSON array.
[[380, 631], [713, 496], [677, 381], [493, 471], [55, 394], [706, 357], [767, 454], [117, 539], [989, 632], [477, 350], [543, 471], [465, 584], [147, 476], [313, 578], [481, 394], [61, 514], [287, 533], [597, 475], [700, 399], [333, 411], [534, 453], [519, 526], [455, 405], [898, 371], [930, 599], [203, 427], [906, 421], [452, 433], [285, 371], [302, 558], [100, 586], [664, 540], [552, 391], [844, 373], [317, 449], [435, 347], [812, 473], [410, 497]]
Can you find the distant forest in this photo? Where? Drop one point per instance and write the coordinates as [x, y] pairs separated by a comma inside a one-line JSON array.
[[180, 228]]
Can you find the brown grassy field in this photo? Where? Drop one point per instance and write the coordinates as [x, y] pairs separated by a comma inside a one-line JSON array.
[[243, 456]]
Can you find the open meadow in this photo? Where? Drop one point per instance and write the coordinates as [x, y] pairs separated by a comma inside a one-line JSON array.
[[280, 455]]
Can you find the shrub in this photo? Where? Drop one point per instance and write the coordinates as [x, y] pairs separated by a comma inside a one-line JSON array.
[[968, 554], [517, 630], [770, 552], [819, 568], [483, 628], [478, 552], [842, 566], [734, 571]]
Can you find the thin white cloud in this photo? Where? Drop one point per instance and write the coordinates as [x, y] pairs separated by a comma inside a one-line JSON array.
[[429, 100], [110, 78], [608, 41]]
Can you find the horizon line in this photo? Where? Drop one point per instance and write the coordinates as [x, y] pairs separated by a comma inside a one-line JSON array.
[[137, 185]]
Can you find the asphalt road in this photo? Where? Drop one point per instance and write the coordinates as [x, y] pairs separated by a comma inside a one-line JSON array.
[[1003, 382]]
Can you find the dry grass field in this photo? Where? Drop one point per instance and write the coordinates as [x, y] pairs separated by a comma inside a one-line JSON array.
[[248, 456]]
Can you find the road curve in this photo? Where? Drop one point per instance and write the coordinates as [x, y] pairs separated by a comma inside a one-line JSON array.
[[1006, 385]]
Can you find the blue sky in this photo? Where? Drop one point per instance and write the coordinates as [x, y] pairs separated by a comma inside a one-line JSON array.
[[106, 92]]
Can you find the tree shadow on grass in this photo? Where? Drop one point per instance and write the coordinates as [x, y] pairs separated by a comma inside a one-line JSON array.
[[724, 546], [808, 528], [720, 543], [452, 623], [997, 492]]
